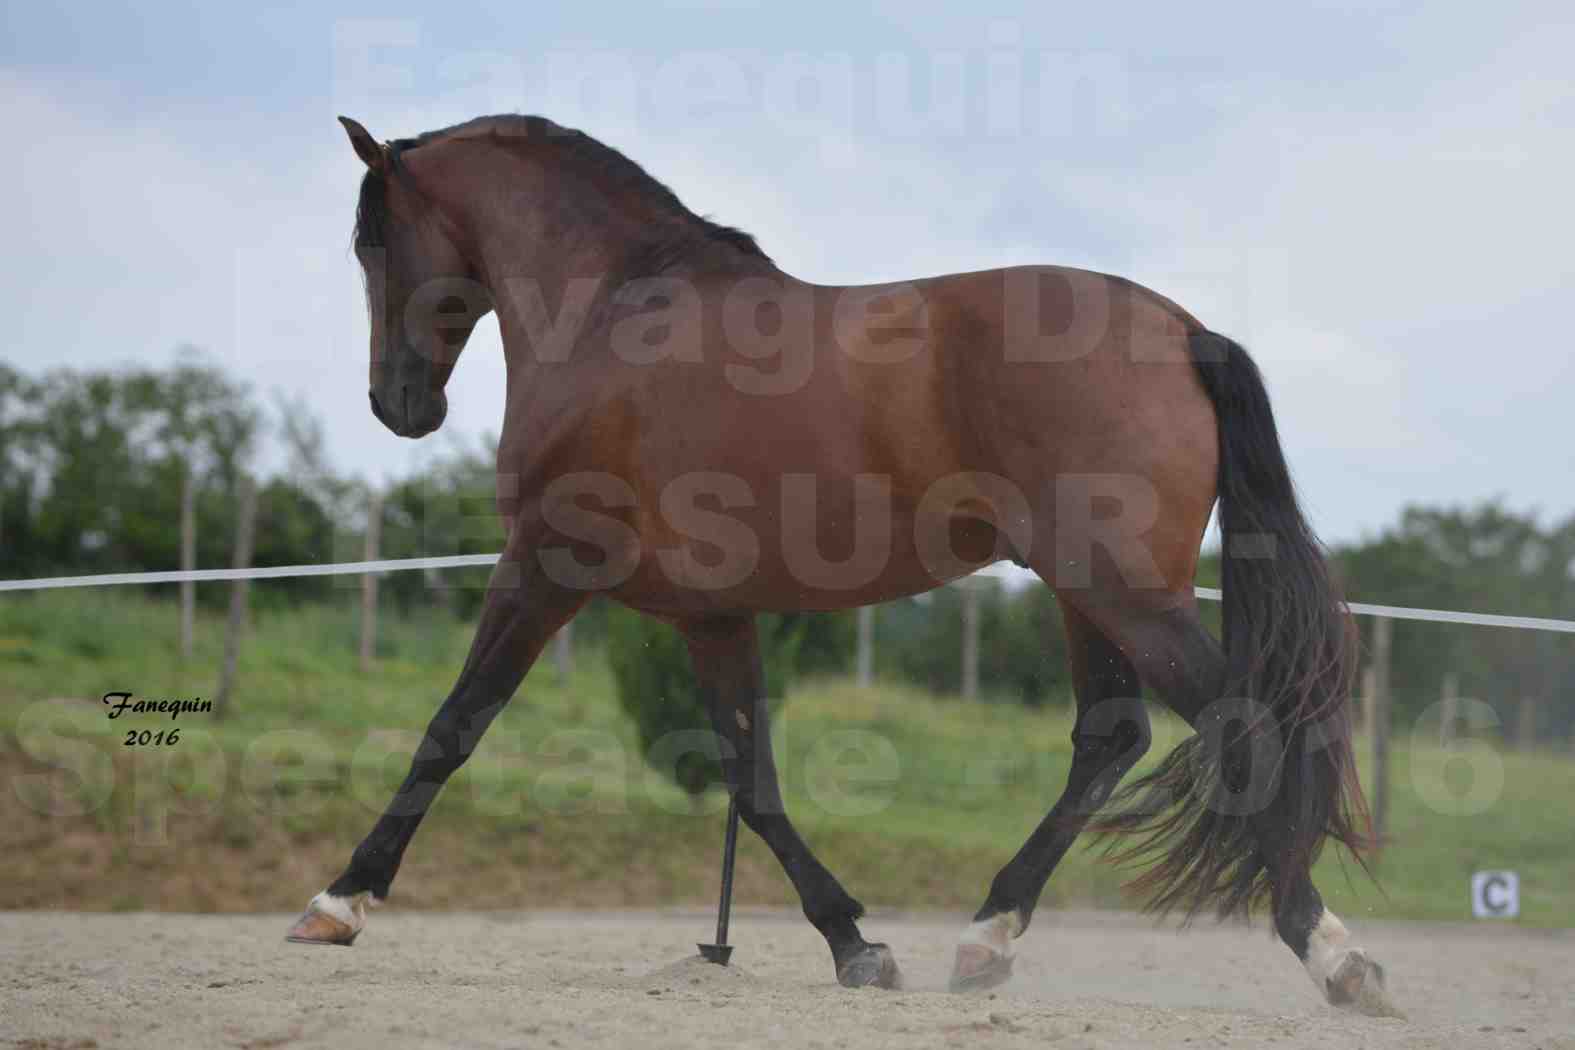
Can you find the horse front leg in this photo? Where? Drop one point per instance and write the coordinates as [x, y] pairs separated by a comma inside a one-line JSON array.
[[725, 652], [522, 610]]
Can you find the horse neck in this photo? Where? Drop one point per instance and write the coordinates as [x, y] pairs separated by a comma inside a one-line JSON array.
[[540, 298]]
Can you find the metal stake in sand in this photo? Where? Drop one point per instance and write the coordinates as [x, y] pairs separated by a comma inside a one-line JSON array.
[[721, 950]]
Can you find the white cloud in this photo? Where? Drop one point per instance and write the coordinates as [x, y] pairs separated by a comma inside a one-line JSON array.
[[1400, 275]]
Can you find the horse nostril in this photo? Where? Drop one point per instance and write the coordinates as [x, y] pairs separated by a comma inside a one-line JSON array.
[[377, 409]]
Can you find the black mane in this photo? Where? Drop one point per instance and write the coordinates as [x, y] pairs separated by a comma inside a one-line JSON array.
[[601, 160]]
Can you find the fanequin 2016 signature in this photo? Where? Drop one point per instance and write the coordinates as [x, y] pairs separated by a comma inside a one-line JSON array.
[[120, 703]]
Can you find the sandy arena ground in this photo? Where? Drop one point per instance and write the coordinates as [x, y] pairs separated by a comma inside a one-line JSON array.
[[626, 979]]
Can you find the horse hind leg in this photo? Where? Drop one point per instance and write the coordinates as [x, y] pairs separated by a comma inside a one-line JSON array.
[[1346, 975], [1110, 735], [1185, 666]]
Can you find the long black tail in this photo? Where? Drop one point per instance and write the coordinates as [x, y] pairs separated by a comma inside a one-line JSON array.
[[1260, 789]]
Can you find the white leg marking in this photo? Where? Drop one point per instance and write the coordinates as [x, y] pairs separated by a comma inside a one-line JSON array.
[[1326, 948], [1329, 953], [995, 933], [984, 953], [349, 910]]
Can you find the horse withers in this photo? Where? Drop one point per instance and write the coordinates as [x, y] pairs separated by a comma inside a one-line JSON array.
[[702, 437]]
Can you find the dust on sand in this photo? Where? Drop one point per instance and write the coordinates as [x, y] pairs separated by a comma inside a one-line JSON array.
[[629, 979]]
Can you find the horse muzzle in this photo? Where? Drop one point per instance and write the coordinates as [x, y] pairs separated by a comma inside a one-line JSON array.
[[410, 413]]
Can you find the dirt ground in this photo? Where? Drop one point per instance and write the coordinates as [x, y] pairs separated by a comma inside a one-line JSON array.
[[617, 979]]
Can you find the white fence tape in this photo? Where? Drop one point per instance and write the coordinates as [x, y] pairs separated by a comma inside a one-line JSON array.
[[273, 572], [1400, 612], [458, 561]]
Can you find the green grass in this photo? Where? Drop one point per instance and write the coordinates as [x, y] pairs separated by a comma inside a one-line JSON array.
[[914, 801]]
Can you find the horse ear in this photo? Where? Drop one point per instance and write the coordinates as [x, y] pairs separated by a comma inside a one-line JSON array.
[[366, 147]]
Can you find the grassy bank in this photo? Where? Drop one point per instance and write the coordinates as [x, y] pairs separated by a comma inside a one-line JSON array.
[[914, 801]]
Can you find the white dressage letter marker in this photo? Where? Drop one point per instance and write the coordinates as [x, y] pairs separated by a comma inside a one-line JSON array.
[[1495, 894]]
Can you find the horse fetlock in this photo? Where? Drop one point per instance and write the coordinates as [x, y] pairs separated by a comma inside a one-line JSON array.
[[996, 931]]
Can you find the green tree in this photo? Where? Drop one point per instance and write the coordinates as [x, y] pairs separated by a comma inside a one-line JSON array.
[[1482, 559], [1022, 650], [448, 508], [100, 456], [17, 537]]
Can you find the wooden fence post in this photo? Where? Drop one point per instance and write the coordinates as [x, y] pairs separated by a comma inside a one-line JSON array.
[[188, 560], [244, 526], [1378, 702], [374, 537], [1449, 710], [866, 652], [1526, 724], [1369, 715], [970, 639]]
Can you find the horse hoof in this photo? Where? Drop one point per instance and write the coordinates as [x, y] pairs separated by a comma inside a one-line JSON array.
[[873, 966], [328, 920], [1358, 985], [979, 967]]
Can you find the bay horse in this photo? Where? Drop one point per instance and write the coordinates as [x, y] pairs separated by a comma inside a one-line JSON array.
[[703, 437]]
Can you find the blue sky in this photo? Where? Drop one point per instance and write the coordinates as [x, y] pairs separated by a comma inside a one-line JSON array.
[[1374, 198]]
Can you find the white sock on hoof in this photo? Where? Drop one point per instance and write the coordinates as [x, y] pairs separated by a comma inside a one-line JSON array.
[[995, 933], [349, 910], [1326, 948]]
